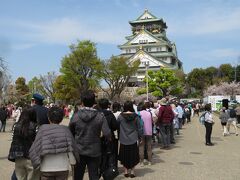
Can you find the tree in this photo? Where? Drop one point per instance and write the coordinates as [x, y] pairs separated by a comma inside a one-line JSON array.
[[80, 69], [211, 75], [10, 94], [64, 92], [237, 71], [47, 82], [34, 85], [163, 82], [197, 80], [224, 88], [44, 85], [117, 72], [22, 90], [226, 72], [4, 80]]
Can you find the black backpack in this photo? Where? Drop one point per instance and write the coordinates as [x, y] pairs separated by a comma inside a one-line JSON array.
[[232, 113]]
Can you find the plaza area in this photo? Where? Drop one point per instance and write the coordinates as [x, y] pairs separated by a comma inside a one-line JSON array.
[[188, 159]]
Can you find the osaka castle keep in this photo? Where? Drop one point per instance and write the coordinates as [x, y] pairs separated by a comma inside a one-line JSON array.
[[150, 45]]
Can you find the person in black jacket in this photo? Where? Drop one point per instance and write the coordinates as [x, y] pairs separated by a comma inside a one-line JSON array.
[[23, 137], [3, 118], [110, 147], [37, 104], [87, 125]]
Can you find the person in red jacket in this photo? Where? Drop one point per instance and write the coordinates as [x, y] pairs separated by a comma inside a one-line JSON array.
[[165, 118]]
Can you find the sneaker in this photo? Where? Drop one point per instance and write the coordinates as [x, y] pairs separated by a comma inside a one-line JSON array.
[[237, 134], [149, 163]]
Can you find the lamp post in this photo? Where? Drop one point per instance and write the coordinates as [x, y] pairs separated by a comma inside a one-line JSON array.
[[146, 63]]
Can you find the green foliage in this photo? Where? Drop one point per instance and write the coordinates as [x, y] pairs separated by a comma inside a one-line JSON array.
[[22, 90], [80, 68], [163, 82], [21, 87], [117, 72], [141, 91], [180, 75], [197, 79], [211, 75], [65, 92], [226, 72], [35, 85], [237, 73]]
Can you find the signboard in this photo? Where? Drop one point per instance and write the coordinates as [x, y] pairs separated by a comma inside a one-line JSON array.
[[215, 101]]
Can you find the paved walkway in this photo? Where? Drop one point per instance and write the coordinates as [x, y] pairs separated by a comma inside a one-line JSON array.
[[189, 158]]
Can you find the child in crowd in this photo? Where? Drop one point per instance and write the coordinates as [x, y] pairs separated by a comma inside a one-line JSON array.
[[54, 148]]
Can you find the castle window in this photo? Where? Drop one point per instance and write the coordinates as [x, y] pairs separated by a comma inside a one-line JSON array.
[[128, 50], [148, 49], [143, 41]]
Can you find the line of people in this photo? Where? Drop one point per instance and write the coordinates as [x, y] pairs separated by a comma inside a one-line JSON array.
[[96, 138]]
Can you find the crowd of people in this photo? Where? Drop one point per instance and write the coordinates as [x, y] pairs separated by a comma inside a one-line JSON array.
[[99, 135]]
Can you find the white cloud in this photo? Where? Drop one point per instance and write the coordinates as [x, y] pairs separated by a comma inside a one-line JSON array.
[[207, 21], [23, 46], [215, 54], [68, 30]]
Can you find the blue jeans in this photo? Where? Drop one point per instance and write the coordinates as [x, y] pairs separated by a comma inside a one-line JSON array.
[[165, 134]]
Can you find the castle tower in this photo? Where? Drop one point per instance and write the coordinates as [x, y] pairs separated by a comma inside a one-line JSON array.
[[150, 45]]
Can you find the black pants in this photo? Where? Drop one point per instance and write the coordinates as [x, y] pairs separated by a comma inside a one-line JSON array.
[[92, 164], [172, 139], [208, 132]]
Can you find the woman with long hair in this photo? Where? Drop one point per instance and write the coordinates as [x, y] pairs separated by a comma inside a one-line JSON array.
[[23, 137], [129, 137]]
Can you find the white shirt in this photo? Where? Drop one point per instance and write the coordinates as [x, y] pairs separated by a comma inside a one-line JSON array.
[[208, 117], [57, 162], [116, 114], [180, 111]]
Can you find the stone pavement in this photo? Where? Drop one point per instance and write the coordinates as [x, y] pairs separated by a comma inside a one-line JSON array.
[[188, 159]]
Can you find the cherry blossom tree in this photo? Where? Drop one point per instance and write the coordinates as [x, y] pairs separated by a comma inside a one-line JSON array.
[[223, 88]]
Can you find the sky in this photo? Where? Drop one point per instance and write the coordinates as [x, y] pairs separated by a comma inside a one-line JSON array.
[[35, 34]]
